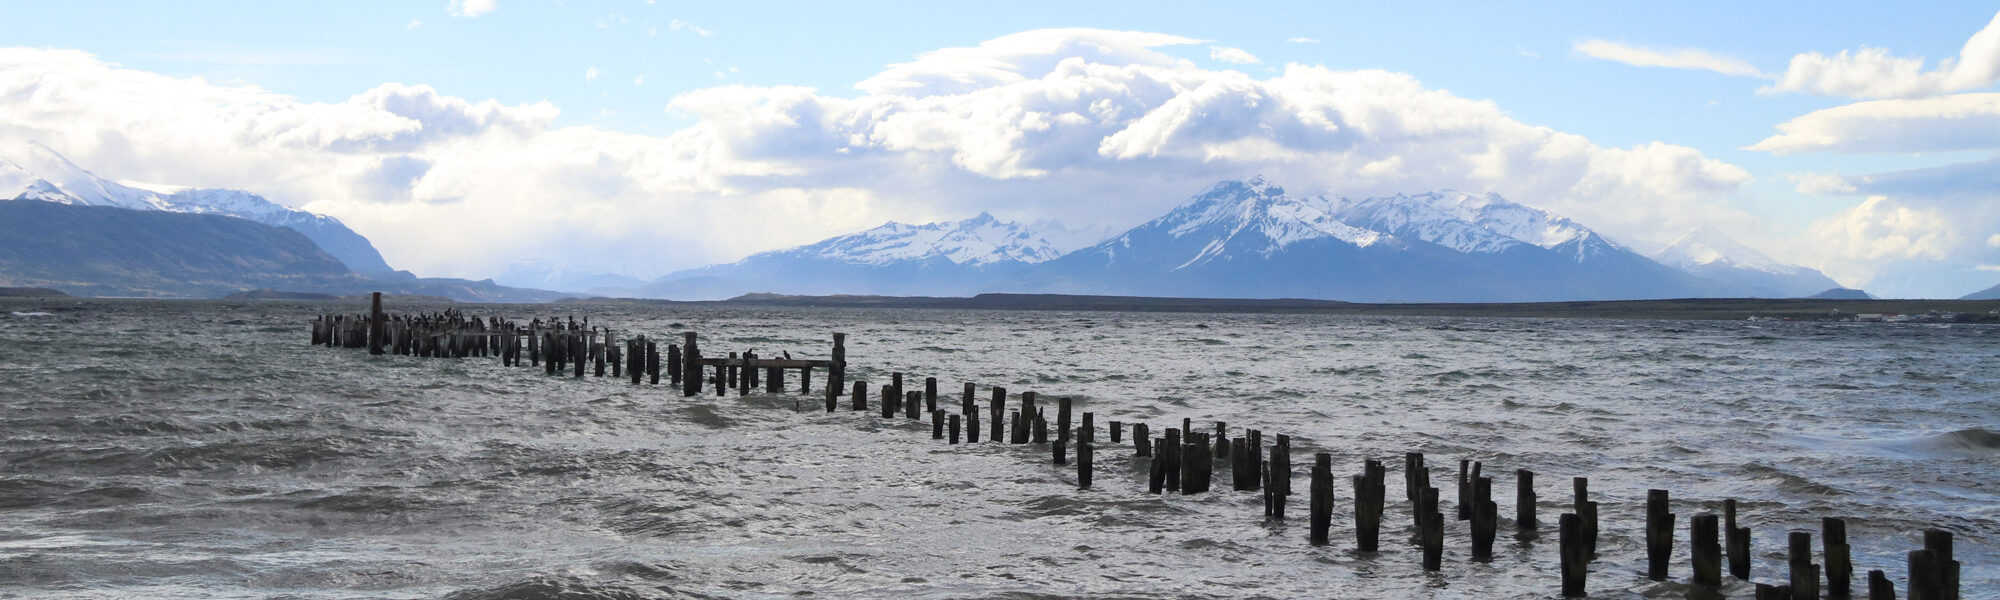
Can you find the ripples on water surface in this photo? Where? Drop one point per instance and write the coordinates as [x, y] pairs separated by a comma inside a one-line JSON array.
[[204, 450]]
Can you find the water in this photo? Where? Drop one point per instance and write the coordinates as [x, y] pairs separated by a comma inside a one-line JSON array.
[[204, 450]]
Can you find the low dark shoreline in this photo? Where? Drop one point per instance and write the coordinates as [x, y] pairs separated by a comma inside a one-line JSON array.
[[1690, 309]]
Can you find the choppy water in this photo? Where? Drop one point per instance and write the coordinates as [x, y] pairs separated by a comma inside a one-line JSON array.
[[204, 450]]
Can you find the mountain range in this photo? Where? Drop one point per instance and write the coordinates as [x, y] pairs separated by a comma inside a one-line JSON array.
[[71, 230], [1250, 239], [77, 232]]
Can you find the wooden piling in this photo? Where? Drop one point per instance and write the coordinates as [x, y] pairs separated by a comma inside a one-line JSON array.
[[1804, 574], [1369, 493], [954, 427], [1277, 484], [997, 408], [1084, 456], [1926, 580], [1939, 543], [1173, 458], [1837, 556], [1432, 533], [1157, 475], [690, 365], [836, 373], [1573, 554], [891, 400], [673, 364], [1879, 587], [378, 324], [965, 406], [937, 424], [1464, 503], [1659, 535], [1041, 429], [972, 426], [1321, 499], [1705, 550], [860, 401], [1142, 439], [1060, 447], [1736, 542], [1087, 432], [1485, 519], [913, 401], [1063, 418], [1524, 499]]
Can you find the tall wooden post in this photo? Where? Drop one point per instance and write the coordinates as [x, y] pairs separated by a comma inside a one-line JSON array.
[[378, 325]]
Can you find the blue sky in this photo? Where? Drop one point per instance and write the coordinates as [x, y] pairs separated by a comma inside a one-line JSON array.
[[594, 75]]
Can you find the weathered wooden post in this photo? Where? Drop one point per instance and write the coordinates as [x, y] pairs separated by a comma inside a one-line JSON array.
[[1142, 440], [972, 426], [965, 406], [1485, 519], [1838, 557], [1062, 418], [1879, 587], [1524, 499], [1944, 562], [1432, 532], [1173, 459], [1117, 432], [1368, 499], [1574, 555], [1586, 512], [892, 401], [690, 365], [1736, 541], [998, 409], [1157, 476], [860, 401], [1926, 582], [1084, 455], [1464, 503], [673, 364], [1059, 448], [1804, 574], [937, 424], [955, 424], [1087, 432], [930, 393], [1659, 535], [1221, 440], [1321, 501], [378, 324], [1277, 486], [912, 401], [653, 362], [774, 380], [836, 373], [1041, 429], [806, 385], [1705, 550]]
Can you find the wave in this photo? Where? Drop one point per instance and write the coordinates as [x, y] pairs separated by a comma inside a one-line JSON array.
[[565, 588], [1974, 441]]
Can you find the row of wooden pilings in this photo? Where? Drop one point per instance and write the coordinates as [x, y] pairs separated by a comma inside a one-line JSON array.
[[1182, 460]]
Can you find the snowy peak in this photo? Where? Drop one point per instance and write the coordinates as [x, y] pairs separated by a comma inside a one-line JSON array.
[[43, 174], [978, 241], [1703, 247], [1433, 218], [1251, 216]]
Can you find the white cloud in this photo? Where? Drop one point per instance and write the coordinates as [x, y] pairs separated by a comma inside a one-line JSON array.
[[1915, 229], [414, 23], [1303, 40], [640, 80], [1086, 126], [1681, 58], [1940, 124], [1821, 184], [1873, 73], [1231, 55], [1524, 52], [1993, 241], [472, 9], [679, 25], [591, 74]]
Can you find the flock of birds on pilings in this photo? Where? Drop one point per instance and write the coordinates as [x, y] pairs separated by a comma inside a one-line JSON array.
[[1181, 461]]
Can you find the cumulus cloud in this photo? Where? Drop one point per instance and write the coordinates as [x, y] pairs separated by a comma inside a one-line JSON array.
[[1915, 229], [472, 9], [1681, 58], [591, 74], [1303, 40], [1940, 124], [1232, 55], [1092, 127], [1873, 73]]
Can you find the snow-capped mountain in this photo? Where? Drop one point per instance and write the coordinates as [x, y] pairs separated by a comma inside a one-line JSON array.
[[1710, 254], [568, 277], [945, 258], [1250, 239], [43, 174]]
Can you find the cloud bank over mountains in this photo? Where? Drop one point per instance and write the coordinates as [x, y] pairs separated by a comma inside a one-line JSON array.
[[1086, 126]]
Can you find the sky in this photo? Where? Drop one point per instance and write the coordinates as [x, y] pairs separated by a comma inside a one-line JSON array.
[[636, 137]]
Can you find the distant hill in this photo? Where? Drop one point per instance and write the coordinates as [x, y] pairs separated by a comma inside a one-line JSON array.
[[30, 292], [1992, 293], [1841, 293], [1710, 254], [44, 175], [105, 251]]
